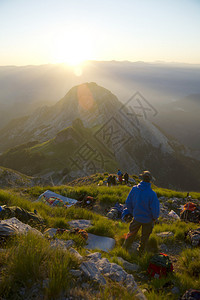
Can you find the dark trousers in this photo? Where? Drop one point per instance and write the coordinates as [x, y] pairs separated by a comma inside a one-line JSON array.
[[133, 229]]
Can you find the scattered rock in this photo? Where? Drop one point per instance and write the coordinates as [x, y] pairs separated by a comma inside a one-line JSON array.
[[76, 254], [134, 247], [139, 295], [82, 224], [85, 285], [45, 283], [100, 242], [91, 271], [163, 248], [142, 276], [165, 234], [57, 243], [173, 215], [51, 232], [20, 227], [175, 290], [94, 256], [115, 273], [75, 273], [7, 230], [128, 266]]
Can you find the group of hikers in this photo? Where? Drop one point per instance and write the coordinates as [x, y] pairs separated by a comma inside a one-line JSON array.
[[113, 181]]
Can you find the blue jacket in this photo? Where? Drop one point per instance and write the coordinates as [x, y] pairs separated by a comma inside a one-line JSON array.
[[143, 203]]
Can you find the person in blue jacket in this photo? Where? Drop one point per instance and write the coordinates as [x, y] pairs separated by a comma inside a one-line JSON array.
[[143, 204], [119, 173]]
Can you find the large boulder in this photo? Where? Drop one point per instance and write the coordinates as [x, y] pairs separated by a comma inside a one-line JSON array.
[[18, 227], [100, 242], [113, 271]]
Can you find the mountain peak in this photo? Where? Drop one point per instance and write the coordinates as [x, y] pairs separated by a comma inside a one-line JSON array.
[[86, 94]]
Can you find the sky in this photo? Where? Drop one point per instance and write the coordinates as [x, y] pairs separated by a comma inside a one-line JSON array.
[[35, 32]]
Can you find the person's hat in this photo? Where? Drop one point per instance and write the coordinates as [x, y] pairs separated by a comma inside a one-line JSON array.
[[146, 175]]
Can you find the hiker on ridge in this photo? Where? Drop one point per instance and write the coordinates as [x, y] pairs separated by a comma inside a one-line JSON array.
[[143, 204], [119, 173], [109, 179], [126, 178]]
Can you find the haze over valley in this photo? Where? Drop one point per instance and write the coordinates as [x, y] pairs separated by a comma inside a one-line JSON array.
[[127, 91]]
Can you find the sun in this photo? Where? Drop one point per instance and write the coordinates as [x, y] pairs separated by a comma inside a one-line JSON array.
[[73, 48]]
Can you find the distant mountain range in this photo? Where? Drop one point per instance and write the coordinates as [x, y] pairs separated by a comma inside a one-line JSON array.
[[23, 89], [90, 130]]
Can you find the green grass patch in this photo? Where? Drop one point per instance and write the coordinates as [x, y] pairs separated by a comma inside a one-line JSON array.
[[30, 260], [178, 228], [103, 226], [78, 239], [190, 262]]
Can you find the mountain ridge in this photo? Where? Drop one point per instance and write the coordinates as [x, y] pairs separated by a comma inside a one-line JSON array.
[[106, 135]]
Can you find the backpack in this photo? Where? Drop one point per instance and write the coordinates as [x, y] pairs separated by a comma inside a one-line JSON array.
[[194, 236], [190, 213], [159, 265], [190, 206]]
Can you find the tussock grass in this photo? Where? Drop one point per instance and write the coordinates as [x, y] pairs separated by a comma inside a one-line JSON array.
[[58, 274], [59, 222], [179, 229], [30, 260], [103, 227], [118, 251], [113, 291], [186, 282], [190, 262], [170, 193], [78, 239], [160, 295], [152, 245]]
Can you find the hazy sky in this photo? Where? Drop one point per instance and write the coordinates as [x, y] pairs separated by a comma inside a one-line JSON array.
[[51, 31]]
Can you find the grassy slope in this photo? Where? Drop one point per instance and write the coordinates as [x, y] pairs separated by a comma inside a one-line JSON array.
[[54, 155], [12, 178], [58, 217]]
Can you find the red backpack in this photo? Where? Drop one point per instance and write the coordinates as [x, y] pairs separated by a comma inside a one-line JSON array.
[[190, 206], [159, 265]]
